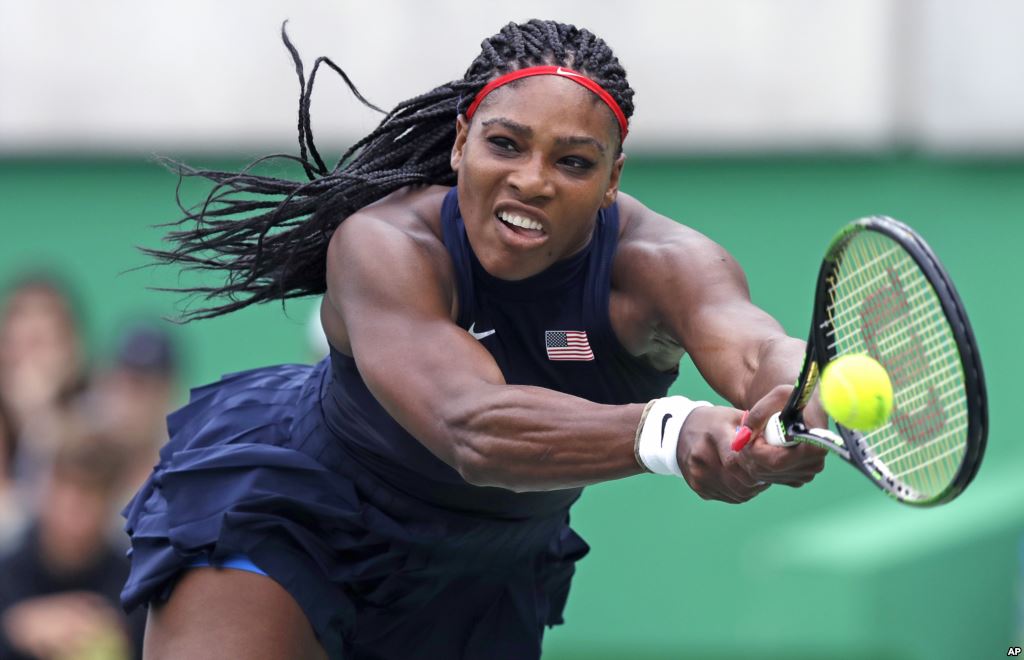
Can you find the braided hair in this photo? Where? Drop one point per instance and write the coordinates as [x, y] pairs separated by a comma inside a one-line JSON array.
[[269, 236]]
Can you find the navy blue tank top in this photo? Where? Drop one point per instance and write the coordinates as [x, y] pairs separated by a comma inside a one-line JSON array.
[[551, 330]]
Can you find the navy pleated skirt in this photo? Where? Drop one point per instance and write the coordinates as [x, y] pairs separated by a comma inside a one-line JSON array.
[[251, 470]]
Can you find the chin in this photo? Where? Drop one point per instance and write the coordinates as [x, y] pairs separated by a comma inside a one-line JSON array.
[[511, 266], [504, 269]]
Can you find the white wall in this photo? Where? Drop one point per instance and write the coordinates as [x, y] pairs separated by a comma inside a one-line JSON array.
[[710, 75], [967, 81]]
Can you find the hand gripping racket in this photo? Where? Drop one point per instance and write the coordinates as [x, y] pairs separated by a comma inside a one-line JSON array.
[[882, 291]]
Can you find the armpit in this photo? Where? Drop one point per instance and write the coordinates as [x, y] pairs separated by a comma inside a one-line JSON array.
[[665, 352]]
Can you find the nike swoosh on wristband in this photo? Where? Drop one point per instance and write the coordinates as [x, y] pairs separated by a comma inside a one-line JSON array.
[[479, 335], [664, 423]]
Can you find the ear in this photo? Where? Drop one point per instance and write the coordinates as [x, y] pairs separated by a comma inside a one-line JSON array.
[[613, 184], [461, 133]]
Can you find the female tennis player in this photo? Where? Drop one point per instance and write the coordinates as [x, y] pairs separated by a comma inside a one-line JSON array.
[[504, 325]]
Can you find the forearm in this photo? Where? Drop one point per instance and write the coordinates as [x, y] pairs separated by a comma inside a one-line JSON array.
[[529, 438], [778, 362]]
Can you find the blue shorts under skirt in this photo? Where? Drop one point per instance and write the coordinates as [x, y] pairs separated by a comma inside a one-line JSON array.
[[252, 471]]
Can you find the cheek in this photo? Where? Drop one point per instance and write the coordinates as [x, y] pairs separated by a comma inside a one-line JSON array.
[[468, 186], [477, 179], [475, 165]]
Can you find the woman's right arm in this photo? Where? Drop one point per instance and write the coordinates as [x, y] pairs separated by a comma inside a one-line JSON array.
[[393, 294]]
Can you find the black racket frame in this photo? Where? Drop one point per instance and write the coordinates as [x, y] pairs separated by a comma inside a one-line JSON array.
[[854, 448]]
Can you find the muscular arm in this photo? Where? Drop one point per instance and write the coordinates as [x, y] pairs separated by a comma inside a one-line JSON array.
[[697, 294], [393, 289]]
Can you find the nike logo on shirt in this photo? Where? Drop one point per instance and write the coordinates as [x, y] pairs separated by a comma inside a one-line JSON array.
[[479, 335]]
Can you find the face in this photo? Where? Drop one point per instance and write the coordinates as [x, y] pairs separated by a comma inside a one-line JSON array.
[[73, 520], [134, 404], [534, 166], [38, 340]]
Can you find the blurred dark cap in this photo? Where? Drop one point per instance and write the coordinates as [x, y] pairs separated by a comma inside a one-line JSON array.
[[148, 349]]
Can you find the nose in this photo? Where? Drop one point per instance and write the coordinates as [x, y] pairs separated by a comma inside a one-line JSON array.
[[531, 178]]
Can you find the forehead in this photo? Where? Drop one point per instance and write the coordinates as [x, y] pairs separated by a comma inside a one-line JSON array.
[[552, 102], [37, 301]]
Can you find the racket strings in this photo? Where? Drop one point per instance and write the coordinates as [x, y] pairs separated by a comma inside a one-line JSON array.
[[880, 303], [929, 324], [944, 456], [926, 456], [934, 341], [853, 317], [887, 454], [871, 282], [928, 477], [911, 403]]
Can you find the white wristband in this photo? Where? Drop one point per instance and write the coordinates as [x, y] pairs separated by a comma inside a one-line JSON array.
[[658, 434]]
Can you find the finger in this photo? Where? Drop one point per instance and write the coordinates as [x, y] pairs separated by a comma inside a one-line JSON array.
[[800, 479], [811, 453], [742, 493], [764, 457], [736, 471], [803, 460], [713, 482], [767, 460], [785, 477], [785, 471], [747, 481], [741, 486], [767, 406]]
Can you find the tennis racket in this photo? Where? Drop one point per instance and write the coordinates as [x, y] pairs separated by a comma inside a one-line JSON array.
[[882, 291]]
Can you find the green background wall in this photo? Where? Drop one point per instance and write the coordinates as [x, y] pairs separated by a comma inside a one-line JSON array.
[[831, 570]]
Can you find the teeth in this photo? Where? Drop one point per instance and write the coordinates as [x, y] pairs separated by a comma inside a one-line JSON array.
[[519, 221]]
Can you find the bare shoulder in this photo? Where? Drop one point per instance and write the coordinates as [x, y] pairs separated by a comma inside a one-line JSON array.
[[412, 211], [653, 246], [398, 236], [389, 253], [664, 275]]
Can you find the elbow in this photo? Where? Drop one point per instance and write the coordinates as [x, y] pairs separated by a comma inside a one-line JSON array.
[[765, 356], [472, 464], [471, 446], [477, 463], [487, 449]]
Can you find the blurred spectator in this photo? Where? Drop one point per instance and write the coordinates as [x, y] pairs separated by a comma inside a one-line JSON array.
[[60, 586], [42, 366], [41, 356], [133, 395], [12, 513]]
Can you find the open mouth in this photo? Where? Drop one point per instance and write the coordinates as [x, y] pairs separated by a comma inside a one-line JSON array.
[[521, 225]]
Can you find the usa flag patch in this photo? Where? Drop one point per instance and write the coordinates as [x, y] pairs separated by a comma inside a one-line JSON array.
[[568, 345]]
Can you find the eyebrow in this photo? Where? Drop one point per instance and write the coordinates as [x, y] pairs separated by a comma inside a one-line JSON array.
[[527, 132]]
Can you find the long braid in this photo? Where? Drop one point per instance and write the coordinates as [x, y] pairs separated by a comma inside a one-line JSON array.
[[269, 236]]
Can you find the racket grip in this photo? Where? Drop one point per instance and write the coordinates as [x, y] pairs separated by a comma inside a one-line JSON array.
[[775, 432]]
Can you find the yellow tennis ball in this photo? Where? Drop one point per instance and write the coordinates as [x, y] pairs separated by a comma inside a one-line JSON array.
[[856, 392]]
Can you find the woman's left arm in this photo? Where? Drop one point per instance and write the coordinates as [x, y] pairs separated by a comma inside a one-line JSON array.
[[697, 294]]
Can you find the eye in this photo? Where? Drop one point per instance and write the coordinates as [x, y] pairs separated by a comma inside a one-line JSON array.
[[578, 163], [503, 144]]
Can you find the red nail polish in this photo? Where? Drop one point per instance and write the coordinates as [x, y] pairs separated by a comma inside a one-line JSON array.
[[741, 439]]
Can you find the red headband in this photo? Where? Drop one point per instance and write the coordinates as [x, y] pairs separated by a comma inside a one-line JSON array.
[[569, 74]]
